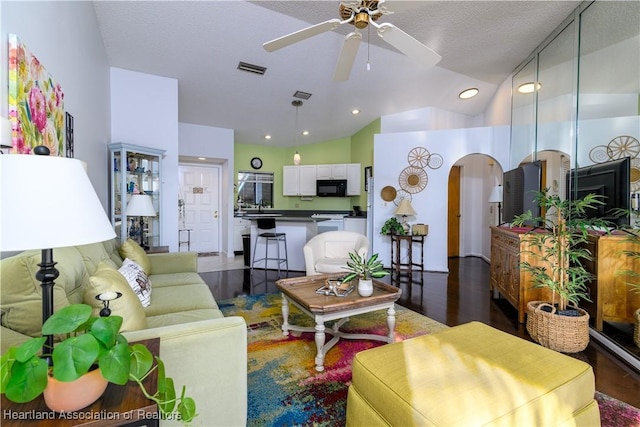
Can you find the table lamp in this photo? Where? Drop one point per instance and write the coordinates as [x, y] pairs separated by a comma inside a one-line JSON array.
[[496, 197], [48, 202], [140, 205], [405, 209]]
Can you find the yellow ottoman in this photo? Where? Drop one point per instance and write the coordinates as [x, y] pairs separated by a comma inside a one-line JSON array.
[[470, 375]]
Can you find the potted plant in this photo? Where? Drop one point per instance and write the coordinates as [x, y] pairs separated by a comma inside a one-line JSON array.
[[365, 270], [392, 226], [93, 347], [557, 251]]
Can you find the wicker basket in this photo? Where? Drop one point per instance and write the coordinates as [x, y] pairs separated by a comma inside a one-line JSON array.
[[636, 330], [565, 334]]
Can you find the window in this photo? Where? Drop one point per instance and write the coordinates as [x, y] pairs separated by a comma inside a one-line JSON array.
[[254, 189]]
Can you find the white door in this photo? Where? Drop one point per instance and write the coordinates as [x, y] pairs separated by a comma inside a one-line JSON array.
[[200, 190]]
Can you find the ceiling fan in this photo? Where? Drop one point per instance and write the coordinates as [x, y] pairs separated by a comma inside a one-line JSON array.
[[360, 14]]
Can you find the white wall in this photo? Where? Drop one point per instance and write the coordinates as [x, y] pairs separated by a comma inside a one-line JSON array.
[[215, 144], [144, 111], [390, 158], [64, 36]]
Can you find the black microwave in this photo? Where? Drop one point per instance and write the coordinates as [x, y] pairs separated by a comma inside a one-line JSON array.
[[331, 187]]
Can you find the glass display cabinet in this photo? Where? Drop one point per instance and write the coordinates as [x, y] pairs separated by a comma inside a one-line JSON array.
[[135, 170]]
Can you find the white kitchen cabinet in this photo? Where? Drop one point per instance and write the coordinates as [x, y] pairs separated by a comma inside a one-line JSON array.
[[299, 180], [337, 171], [354, 179], [240, 226]]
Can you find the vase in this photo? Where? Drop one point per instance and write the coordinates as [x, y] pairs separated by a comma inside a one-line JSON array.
[[365, 287], [63, 396]]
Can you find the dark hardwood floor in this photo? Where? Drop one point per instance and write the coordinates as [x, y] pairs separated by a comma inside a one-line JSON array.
[[460, 296]]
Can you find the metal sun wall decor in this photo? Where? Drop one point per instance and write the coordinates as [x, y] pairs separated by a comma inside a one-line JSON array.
[[413, 179], [36, 103], [618, 148]]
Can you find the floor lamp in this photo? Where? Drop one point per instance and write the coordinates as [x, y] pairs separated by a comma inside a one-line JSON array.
[[142, 206], [48, 202], [496, 197]]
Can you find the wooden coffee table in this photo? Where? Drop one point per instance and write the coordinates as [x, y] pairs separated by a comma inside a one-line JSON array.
[[301, 292]]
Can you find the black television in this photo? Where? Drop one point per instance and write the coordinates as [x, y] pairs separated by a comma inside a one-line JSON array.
[[611, 180], [519, 189]]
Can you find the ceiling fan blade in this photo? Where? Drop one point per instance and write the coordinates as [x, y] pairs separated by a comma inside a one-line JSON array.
[[347, 57], [407, 44], [300, 35]]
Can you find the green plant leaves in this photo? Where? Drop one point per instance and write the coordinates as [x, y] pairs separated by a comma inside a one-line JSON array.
[[115, 364], [66, 320], [74, 356], [29, 349], [105, 329], [28, 380], [187, 409], [141, 361]]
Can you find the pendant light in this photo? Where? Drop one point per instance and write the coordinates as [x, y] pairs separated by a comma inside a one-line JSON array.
[[296, 157]]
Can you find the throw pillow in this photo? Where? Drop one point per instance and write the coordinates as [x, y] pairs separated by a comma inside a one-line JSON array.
[[138, 280], [132, 250], [128, 306]]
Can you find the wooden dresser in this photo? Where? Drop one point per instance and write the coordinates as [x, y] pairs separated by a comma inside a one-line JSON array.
[[611, 298], [508, 250]]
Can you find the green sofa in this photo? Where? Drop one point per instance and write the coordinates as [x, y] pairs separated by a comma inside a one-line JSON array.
[[201, 348]]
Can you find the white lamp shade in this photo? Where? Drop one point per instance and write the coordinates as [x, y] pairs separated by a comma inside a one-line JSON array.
[[296, 158], [140, 205], [48, 202], [405, 208], [496, 194]]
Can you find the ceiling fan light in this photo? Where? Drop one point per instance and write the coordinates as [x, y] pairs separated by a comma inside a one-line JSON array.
[[361, 20]]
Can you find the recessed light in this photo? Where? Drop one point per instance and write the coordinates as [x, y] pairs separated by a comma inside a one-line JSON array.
[[468, 93], [529, 87], [305, 132], [202, 158], [355, 111], [267, 137]]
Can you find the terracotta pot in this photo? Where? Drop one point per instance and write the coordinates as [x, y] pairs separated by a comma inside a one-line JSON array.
[[74, 395], [365, 287]]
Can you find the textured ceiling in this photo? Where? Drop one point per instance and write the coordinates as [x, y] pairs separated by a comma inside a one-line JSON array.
[[200, 43]]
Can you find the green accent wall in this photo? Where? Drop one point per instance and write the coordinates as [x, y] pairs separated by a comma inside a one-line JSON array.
[[362, 152], [356, 149]]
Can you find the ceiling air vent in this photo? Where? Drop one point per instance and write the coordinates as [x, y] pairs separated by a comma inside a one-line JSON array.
[[302, 95], [251, 68]]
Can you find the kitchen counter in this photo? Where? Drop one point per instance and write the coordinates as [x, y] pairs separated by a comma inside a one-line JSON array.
[[298, 229]]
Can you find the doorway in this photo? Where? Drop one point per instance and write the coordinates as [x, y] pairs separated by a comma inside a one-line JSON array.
[[453, 213], [200, 207]]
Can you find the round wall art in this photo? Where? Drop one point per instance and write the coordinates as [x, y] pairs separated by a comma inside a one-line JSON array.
[[413, 180], [388, 193], [401, 196]]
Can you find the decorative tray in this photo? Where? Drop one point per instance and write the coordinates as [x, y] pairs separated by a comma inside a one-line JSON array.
[[335, 287]]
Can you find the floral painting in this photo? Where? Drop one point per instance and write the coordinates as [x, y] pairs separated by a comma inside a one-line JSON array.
[[36, 103]]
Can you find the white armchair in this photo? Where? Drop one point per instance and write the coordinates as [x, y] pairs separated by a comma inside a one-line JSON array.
[[329, 252]]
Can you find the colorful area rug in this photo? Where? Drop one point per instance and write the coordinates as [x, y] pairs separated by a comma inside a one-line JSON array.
[[286, 390]]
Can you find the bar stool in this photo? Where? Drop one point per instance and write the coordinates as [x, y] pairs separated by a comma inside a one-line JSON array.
[[270, 235]]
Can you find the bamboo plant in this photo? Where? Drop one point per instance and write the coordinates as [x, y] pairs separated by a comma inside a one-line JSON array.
[[558, 242]]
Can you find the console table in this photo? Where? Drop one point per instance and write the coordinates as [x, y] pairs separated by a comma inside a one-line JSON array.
[[119, 405], [397, 266], [611, 299]]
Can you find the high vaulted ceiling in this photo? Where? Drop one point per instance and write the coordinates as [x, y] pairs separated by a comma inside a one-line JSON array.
[[200, 43]]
